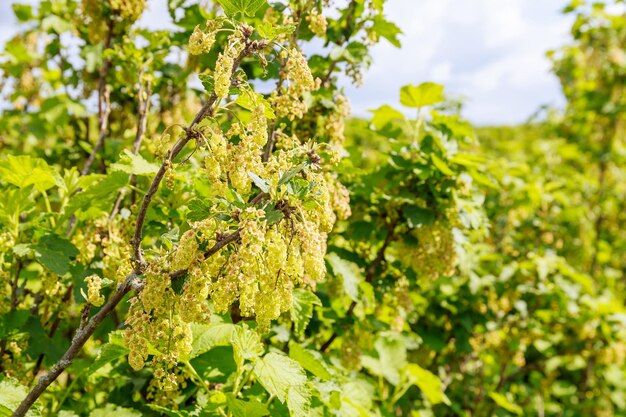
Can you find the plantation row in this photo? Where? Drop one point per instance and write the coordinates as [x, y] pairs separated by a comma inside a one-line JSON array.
[[229, 251]]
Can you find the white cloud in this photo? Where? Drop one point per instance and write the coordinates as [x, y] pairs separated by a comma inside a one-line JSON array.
[[491, 51]]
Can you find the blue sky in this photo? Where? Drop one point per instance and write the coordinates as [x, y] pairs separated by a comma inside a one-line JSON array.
[[490, 52]]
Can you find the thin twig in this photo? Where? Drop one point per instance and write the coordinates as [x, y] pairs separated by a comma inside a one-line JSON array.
[[80, 338], [86, 330], [207, 110], [142, 118], [104, 105]]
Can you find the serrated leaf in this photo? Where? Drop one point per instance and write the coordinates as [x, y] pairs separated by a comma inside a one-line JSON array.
[[278, 373], [22, 171], [259, 182], [240, 408], [270, 31], [208, 82], [208, 336], [245, 7], [55, 253], [98, 192], [198, 210], [387, 30], [249, 100], [349, 272], [391, 359], [427, 382], [108, 353], [384, 115], [309, 360], [299, 401], [273, 216], [247, 345], [302, 309], [135, 164], [11, 395], [425, 94]]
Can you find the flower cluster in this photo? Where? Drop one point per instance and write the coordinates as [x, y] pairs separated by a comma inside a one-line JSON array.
[[128, 10], [288, 101], [226, 60], [317, 23], [435, 254], [201, 42], [275, 244], [94, 285]]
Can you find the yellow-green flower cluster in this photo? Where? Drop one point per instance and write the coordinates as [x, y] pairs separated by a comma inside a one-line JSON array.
[[435, 254], [128, 10], [246, 155], [334, 123], [317, 23], [154, 316], [225, 62], [288, 102], [94, 285], [201, 42]]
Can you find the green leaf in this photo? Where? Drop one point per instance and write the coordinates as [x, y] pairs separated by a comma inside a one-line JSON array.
[[272, 216], [247, 345], [427, 382], [418, 216], [259, 182], [299, 401], [23, 171], [55, 253], [249, 100], [384, 115], [278, 373], [240, 408], [56, 24], [245, 7], [504, 402], [198, 210], [391, 359], [350, 273], [134, 164], [108, 353], [11, 395], [425, 94], [208, 336], [291, 173], [387, 30], [302, 309], [208, 82], [270, 31], [310, 360], [98, 193], [483, 180], [441, 165], [114, 410], [23, 12]]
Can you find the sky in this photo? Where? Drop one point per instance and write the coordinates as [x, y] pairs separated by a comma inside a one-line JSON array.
[[491, 53]]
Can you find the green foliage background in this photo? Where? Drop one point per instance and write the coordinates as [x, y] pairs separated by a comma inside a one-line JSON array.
[[481, 271]]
